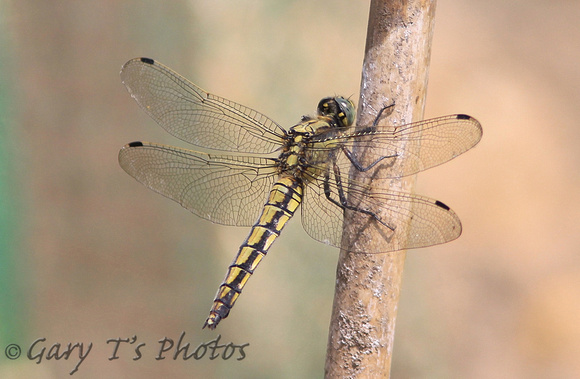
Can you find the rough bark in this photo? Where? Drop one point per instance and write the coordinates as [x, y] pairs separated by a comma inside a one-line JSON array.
[[395, 70]]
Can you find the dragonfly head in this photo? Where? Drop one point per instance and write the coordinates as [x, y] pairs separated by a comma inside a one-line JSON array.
[[341, 110]]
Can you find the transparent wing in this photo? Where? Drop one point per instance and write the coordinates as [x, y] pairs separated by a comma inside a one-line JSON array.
[[387, 215], [227, 190], [383, 152], [196, 116], [407, 149]]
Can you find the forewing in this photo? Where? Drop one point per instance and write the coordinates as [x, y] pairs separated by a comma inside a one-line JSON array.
[[196, 116], [227, 190], [407, 149], [380, 214]]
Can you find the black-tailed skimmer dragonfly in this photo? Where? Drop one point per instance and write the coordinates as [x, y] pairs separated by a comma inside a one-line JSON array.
[[273, 170]]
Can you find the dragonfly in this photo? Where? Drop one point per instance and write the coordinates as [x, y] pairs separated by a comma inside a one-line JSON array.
[[252, 172]]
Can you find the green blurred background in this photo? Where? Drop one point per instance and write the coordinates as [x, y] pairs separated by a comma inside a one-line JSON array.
[[88, 254]]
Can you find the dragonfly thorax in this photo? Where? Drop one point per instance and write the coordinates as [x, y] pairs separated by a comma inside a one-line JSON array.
[[302, 152]]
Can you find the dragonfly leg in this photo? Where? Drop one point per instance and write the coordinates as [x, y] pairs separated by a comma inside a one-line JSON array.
[[359, 166], [343, 203], [372, 128], [380, 114]]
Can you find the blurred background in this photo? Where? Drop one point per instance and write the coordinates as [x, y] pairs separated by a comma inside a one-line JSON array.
[[88, 254]]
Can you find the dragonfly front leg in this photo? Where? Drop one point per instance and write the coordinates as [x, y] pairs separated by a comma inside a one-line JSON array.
[[370, 129], [380, 114]]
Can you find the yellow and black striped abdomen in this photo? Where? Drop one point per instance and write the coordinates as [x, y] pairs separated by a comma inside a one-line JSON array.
[[284, 199]]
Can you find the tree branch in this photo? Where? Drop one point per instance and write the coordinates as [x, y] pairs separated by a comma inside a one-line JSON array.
[[395, 70]]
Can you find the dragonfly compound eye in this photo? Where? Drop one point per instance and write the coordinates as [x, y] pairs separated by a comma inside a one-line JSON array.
[[339, 109], [326, 107], [347, 111]]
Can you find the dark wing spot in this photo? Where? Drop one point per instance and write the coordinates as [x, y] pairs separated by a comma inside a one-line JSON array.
[[135, 144], [463, 117], [440, 204], [147, 60]]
